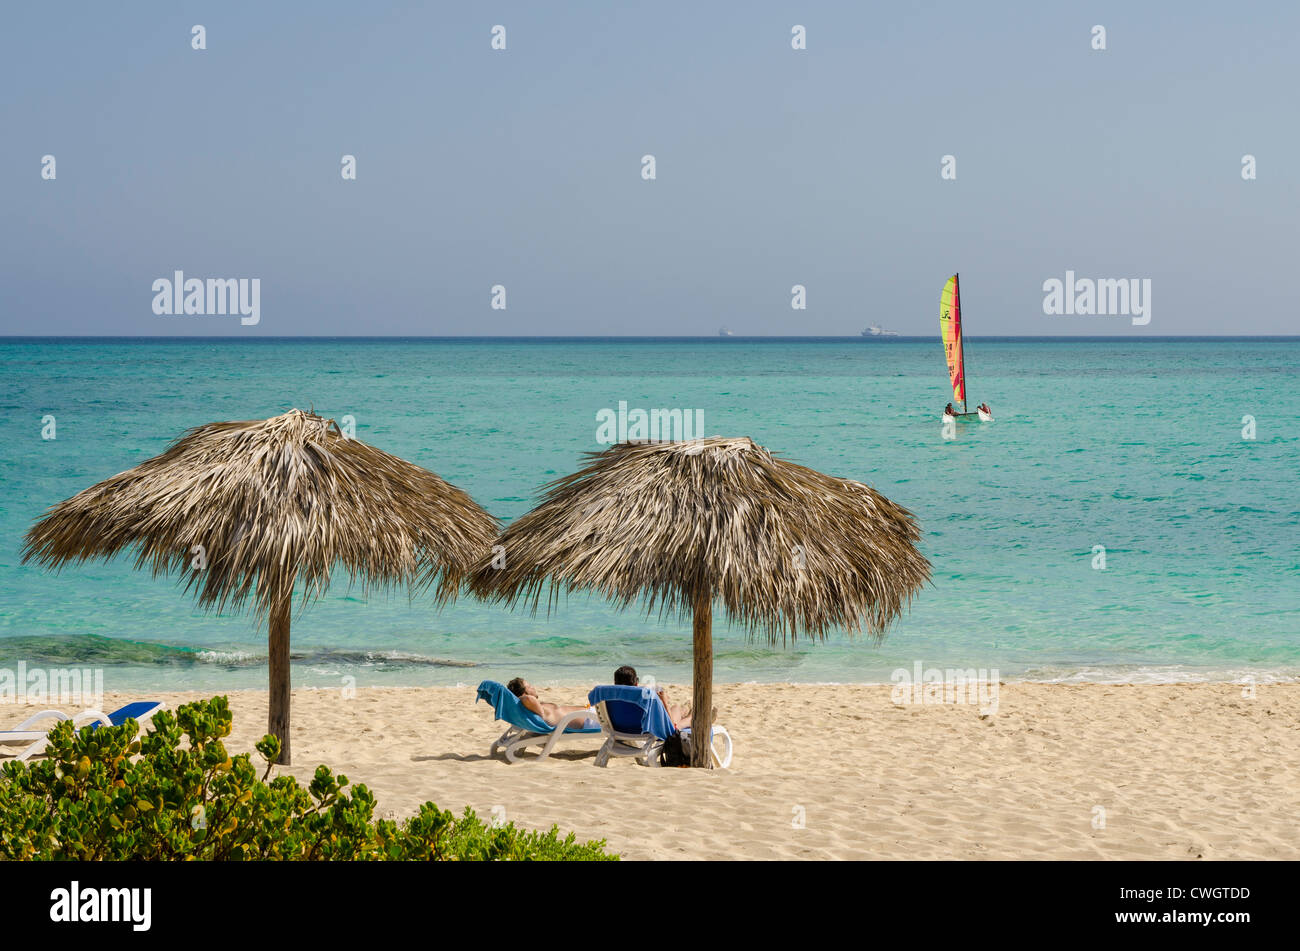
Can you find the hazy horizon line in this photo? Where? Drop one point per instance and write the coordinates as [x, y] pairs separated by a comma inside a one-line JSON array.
[[773, 338]]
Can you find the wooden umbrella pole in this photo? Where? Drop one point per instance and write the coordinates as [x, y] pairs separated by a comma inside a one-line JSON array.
[[278, 717], [702, 694]]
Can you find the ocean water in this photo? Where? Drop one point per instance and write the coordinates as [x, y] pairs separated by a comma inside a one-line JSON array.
[[1136, 446]]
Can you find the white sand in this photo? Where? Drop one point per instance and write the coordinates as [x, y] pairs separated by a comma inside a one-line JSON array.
[[1182, 771]]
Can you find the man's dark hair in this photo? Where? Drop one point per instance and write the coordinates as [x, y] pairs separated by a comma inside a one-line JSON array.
[[516, 686], [625, 676]]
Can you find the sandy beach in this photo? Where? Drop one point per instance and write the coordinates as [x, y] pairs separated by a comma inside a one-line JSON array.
[[841, 772]]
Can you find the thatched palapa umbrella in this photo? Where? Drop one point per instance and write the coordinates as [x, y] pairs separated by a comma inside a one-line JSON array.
[[273, 503], [786, 549]]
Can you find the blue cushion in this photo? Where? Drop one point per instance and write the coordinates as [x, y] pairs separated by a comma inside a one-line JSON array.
[[634, 710], [132, 710]]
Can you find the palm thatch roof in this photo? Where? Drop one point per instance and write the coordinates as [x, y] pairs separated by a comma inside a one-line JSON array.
[[273, 502], [785, 548]]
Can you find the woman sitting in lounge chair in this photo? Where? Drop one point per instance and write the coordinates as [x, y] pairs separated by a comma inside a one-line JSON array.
[[552, 713]]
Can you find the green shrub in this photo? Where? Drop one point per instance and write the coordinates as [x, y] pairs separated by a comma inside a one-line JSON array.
[[94, 798]]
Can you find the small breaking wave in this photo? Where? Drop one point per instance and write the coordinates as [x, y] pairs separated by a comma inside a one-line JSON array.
[[63, 650], [1169, 674]]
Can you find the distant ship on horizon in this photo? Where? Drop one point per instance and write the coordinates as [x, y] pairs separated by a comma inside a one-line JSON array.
[[724, 332], [875, 331]]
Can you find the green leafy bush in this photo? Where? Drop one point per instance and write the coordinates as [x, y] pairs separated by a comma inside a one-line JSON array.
[[94, 798]]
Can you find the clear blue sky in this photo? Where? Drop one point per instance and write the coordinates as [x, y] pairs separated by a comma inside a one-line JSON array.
[[522, 167]]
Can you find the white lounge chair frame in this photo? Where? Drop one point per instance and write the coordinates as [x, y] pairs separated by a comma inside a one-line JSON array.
[[517, 738], [34, 739], [646, 746], [721, 760], [37, 739]]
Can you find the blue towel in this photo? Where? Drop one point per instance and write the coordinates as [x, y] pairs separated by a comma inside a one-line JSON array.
[[508, 708], [634, 710]]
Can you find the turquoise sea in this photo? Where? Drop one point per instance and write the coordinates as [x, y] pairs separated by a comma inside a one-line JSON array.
[[1133, 445]]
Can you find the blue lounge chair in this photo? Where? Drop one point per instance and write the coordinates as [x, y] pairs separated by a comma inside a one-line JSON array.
[[526, 727], [33, 740], [635, 723]]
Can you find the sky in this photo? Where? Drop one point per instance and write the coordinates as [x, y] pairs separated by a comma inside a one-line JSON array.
[[522, 167]]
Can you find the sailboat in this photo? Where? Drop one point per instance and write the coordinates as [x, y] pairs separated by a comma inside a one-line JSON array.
[[954, 348]]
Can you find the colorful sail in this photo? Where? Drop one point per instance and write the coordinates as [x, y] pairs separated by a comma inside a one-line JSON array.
[[950, 330]]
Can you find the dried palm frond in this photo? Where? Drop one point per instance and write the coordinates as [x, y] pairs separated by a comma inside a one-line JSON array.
[[272, 502], [786, 549]]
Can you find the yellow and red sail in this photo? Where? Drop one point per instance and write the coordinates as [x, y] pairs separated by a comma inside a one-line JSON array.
[[950, 330]]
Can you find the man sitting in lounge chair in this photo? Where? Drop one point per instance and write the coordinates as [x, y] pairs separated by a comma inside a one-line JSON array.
[[552, 713], [626, 677]]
